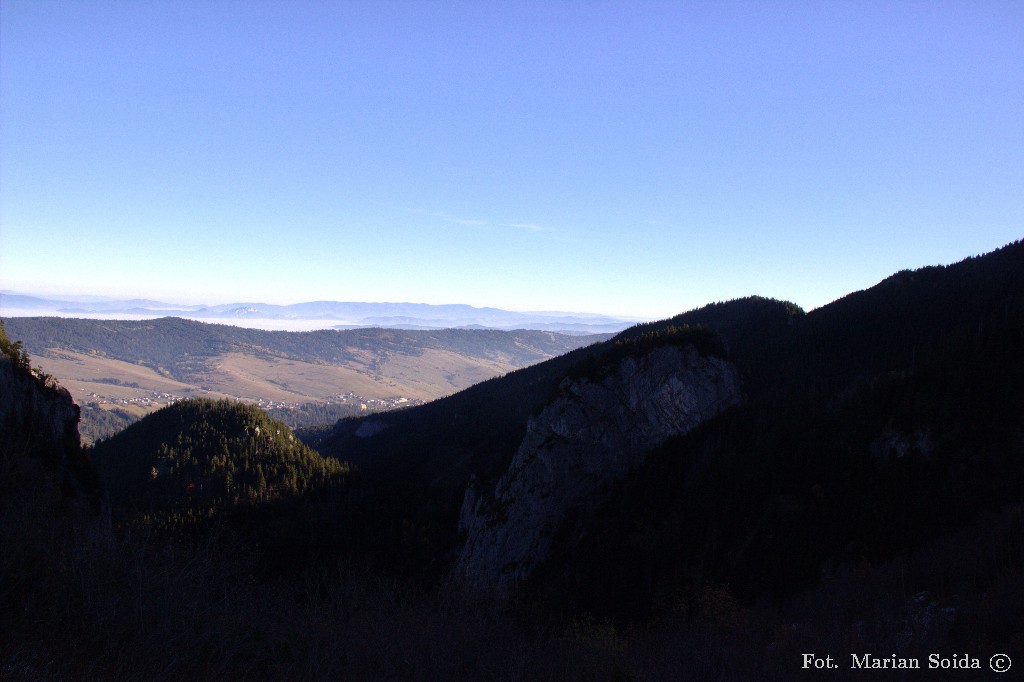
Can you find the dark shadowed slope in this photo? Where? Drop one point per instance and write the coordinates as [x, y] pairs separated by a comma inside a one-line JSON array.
[[879, 423], [875, 428]]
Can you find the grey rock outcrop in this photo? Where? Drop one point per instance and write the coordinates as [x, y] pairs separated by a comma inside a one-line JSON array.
[[49, 490], [593, 432], [35, 416]]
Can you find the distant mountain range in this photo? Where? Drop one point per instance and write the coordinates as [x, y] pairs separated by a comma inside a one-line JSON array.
[[316, 314]]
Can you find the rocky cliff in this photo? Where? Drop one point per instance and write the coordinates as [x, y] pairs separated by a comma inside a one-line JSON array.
[[35, 415], [42, 466], [596, 429]]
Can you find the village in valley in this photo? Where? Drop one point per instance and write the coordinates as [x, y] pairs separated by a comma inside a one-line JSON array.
[[156, 400], [104, 415]]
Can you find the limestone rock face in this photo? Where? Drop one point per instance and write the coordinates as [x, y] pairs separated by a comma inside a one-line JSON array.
[[50, 495], [40, 417], [593, 432]]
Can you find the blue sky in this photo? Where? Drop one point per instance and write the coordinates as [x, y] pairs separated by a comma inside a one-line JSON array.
[[630, 158]]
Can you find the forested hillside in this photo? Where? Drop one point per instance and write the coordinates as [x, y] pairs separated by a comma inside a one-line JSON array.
[[195, 459]]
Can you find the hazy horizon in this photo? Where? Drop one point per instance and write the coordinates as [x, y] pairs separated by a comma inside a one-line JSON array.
[[375, 314], [87, 297], [634, 160]]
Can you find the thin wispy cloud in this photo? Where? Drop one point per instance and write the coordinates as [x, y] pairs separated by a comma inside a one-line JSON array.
[[449, 218], [472, 222], [479, 222], [530, 227]]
